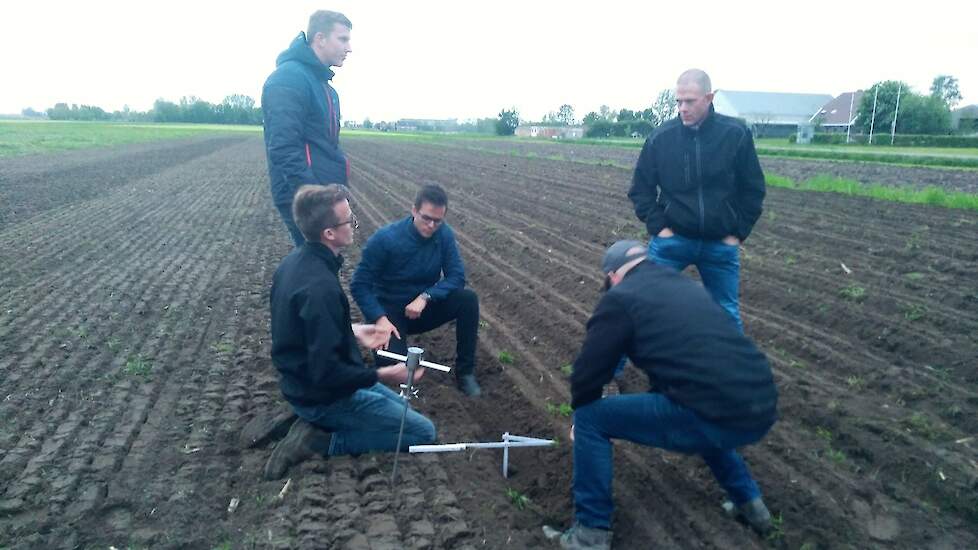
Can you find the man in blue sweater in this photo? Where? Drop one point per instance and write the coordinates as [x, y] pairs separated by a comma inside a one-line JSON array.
[[411, 280]]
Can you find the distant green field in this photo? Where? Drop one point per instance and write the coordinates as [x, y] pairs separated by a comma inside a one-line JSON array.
[[29, 137]]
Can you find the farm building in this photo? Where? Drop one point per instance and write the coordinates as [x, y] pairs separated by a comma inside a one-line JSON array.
[[555, 132], [770, 113], [965, 119], [837, 115]]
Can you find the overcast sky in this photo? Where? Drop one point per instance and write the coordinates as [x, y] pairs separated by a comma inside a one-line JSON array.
[[432, 59]]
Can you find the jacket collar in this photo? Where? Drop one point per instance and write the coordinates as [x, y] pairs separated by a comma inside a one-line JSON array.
[[333, 261]]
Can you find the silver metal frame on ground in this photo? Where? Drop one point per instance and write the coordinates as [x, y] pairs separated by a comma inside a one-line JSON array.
[[508, 442]]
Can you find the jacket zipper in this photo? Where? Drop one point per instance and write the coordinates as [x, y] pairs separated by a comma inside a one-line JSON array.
[[699, 176], [333, 132]]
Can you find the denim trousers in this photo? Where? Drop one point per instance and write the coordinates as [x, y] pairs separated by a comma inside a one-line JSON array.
[[367, 421], [285, 210], [655, 420], [717, 262]]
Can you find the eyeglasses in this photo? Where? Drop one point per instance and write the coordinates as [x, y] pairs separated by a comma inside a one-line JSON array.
[[433, 221], [352, 221]]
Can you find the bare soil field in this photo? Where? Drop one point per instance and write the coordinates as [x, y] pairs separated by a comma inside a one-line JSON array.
[[134, 347]]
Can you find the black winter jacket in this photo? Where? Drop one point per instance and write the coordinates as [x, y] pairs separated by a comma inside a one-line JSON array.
[[705, 183], [689, 346], [302, 123], [313, 346]]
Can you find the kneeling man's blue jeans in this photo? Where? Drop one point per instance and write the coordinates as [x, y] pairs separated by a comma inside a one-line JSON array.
[[368, 421], [655, 420]]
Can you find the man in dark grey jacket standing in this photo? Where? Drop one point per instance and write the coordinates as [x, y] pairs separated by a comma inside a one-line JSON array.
[[302, 113], [698, 186]]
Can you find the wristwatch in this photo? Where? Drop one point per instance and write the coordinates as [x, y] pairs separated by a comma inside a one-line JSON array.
[[426, 296]]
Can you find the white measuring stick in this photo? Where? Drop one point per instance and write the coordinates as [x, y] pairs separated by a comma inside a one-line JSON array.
[[428, 364], [463, 446]]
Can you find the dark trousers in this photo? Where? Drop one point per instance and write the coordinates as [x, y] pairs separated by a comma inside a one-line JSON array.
[[461, 306], [285, 210]]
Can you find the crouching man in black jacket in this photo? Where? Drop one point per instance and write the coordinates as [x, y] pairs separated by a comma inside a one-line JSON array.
[[342, 406], [714, 390]]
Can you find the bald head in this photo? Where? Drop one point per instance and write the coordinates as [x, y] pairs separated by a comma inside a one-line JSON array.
[[694, 96], [696, 77]]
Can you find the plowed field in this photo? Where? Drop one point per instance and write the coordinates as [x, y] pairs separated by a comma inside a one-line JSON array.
[[134, 347]]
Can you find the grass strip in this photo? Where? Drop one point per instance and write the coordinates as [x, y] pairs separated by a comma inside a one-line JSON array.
[[25, 138], [934, 196], [904, 159]]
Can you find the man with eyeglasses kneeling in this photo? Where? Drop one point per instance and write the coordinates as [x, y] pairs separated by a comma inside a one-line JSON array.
[[343, 406], [411, 280], [714, 390]]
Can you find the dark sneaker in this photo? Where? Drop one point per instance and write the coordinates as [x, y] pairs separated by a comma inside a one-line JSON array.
[[301, 444], [467, 384], [262, 429], [579, 537], [754, 512]]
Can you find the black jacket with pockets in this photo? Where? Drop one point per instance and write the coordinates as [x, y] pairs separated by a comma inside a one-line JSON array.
[[691, 349], [705, 183], [313, 346]]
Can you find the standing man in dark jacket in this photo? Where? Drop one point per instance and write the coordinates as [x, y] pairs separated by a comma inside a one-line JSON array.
[[713, 389], [302, 113], [342, 406], [411, 280], [698, 187]]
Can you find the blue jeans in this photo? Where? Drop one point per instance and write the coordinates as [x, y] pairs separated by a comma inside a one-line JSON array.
[[285, 210], [717, 262], [655, 420], [368, 421]]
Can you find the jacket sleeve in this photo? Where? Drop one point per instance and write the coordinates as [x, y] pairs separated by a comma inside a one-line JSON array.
[[644, 191], [368, 271], [327, 343], [282, 108], [750, 186], [451, 265], [609, 333]]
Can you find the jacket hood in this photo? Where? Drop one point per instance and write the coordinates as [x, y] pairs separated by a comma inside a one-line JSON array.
[[300, 52]]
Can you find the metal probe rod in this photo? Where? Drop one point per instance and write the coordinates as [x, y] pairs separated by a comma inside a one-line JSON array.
[[413, 360]]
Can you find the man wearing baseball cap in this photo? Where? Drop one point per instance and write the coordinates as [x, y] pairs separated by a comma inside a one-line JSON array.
[[713, 392]]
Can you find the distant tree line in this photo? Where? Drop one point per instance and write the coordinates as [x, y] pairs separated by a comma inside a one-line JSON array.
[[604, 122], [915, 114], [235, 109]]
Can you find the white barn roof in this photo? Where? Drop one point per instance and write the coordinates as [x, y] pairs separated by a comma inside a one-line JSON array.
[[769, 107]]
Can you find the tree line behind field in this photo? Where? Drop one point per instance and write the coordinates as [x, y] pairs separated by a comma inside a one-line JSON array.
[[915, 113], [234, 109]]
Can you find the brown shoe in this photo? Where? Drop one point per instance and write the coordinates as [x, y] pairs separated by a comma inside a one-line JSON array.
[[302, 443], [263, 429]]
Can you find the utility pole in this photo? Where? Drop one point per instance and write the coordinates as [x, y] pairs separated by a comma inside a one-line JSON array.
[[872, 121], [895, 113], [852, 99]]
